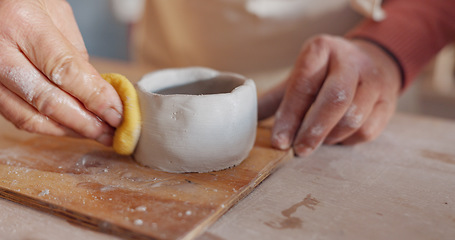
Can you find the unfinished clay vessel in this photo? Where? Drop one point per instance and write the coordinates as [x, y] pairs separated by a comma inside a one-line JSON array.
[[195, 119]]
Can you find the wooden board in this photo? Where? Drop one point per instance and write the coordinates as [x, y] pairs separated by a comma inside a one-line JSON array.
[[90, 185]]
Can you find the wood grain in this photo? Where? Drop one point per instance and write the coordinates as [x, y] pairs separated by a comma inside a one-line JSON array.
[[88, 184]]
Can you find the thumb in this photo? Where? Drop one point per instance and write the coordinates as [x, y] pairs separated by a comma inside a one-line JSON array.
[[269, 102]]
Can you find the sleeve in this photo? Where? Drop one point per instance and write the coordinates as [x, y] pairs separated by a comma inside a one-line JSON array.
[[412, 33]]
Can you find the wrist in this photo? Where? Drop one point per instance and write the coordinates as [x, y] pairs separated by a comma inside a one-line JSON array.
[[385, 61]]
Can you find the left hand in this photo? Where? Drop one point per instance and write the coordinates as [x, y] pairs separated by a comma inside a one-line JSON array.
[[340, 91], [47, 84]]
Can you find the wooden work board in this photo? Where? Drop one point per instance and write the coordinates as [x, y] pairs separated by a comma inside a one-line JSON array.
[[88, 184]]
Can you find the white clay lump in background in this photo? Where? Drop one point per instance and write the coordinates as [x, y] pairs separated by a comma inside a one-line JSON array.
[[195, 119]]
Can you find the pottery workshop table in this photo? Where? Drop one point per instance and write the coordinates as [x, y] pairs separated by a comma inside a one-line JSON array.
[[400, 186]]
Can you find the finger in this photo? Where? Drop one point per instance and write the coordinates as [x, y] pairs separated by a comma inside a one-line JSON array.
[[374, 125], [357, 113], [269, 102], [25, 117], [303, 86], [58, 59], [330, 105], [20, 77], [63, 18]]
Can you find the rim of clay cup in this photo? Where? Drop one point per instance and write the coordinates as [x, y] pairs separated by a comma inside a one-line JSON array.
[[150, 87]]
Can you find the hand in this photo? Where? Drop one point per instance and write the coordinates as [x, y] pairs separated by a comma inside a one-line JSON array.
[[46, 82], [340, 91]]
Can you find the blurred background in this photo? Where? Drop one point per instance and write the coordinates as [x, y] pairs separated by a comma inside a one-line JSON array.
[[103, 34]]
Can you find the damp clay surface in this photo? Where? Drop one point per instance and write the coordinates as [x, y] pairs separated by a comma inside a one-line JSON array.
[[195, 120], [88, 184]]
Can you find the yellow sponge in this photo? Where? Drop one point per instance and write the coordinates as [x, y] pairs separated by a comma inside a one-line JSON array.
[[127, 134]]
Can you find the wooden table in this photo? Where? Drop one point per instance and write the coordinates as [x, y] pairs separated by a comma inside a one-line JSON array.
[[400, 186]]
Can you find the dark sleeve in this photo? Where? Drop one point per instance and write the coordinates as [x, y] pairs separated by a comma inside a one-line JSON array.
[[413, 32]]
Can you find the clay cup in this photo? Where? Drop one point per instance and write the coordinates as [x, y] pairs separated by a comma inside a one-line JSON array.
[[195, 119]]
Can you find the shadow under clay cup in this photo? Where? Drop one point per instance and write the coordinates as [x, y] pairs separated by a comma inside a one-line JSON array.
[[195, 119]]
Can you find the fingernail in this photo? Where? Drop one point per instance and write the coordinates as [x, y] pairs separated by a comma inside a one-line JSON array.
[[281, 141], [106, 139], [113, 117], [303, 150]]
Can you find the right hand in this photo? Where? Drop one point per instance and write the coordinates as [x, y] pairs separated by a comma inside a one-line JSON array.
[[47, 85], [340, 91]]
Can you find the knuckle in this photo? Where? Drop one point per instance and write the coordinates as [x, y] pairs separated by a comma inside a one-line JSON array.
[[305, 80], [47, 102], [314, 45], [366, 134], [312, 136], [96, 100], [322, 39], [351, 122], [90, 129], [90, 132], [30, 124], [58, 66], [316, 131], [337, 96], [303, 87], [53, 104], [352, 118]]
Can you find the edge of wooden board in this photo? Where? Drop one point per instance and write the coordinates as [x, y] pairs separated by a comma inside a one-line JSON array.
[[262, 175], [73, 217]]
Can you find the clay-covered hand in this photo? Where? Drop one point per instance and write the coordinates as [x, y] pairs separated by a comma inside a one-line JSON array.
[[46, 82], [340, 91]]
